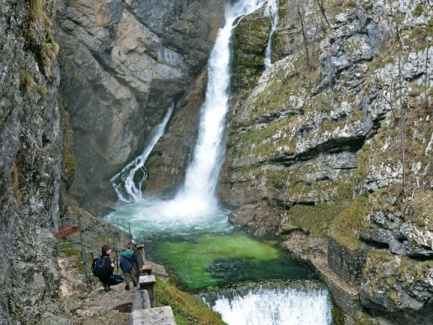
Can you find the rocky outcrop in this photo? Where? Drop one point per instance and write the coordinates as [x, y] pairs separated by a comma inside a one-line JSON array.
[[334, 138], [123, 63], [30, 161], [398, 288]]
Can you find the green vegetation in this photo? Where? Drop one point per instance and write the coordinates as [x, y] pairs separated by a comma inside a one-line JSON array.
[[259, 143], [69, 164], [27, 79], [40, 19], [350, 4], [15, 183], [417, 38], [338, 316], [187, 310], [37, 13], [390, 274], [349, 222], [72, 250], [250, 38], [418, 11], [362, 318], [42, 90], [316, 219]]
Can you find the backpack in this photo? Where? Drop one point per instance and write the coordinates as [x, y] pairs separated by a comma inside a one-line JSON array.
[[126, 264], [99, 267]]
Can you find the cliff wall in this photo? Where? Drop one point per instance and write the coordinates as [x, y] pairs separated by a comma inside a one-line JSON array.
[[31, 148], [334, 139]]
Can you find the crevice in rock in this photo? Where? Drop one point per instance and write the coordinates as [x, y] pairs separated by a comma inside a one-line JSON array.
[[375, 244], [332, 146], [420, 257]]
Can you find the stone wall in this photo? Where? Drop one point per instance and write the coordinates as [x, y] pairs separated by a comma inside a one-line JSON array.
[[344, 262]]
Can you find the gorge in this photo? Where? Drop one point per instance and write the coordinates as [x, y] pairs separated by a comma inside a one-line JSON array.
[[327, 147]]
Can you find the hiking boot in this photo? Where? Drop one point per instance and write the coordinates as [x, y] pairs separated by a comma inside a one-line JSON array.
[[135, 283], [106, 287], [127, 287]]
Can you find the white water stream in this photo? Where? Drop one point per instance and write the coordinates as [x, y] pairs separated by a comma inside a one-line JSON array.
[[272, 11], [195, 201], [128, 182], [275, 307]]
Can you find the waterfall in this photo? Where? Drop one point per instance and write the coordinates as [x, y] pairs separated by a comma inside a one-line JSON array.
[[272, 11], [202, 175], [195, 203], [128, 182], [278, 306]]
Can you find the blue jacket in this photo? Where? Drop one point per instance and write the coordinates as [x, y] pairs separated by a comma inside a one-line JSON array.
[[127, 260]]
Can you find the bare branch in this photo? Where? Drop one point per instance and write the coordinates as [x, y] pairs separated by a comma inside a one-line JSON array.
[[301, 14], [322, 10]]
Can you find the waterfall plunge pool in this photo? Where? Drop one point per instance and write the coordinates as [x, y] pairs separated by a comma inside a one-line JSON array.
[[207, 250], [215, 260]]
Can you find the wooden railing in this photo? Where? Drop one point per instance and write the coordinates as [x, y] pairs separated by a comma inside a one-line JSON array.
[[144, 310]]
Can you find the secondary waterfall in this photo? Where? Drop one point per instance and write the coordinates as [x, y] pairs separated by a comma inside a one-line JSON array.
[[277, 306], [272, 11], [128, 182]]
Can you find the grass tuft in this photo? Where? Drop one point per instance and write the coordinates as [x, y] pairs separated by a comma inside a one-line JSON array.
[[187, 310]]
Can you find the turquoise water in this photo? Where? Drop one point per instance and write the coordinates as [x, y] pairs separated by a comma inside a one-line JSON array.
[[207, 250], [222, 259]]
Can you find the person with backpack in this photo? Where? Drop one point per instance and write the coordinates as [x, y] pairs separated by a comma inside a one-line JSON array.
[[103, 268], [127, 260]]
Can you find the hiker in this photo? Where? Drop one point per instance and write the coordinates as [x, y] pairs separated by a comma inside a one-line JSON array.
[[127, 260], [103, 268]]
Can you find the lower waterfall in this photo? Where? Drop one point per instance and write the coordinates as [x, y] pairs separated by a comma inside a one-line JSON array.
[[306, 303]]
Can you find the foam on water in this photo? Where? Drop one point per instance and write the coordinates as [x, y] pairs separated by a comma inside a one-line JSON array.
[[284, 306]]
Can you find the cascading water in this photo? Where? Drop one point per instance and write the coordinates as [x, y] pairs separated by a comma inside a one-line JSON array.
[[272, 11], [202, 174], [128, 182], [195, 205], [274, 306]]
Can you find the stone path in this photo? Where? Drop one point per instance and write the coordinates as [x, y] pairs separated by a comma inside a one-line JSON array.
[[93, 306]]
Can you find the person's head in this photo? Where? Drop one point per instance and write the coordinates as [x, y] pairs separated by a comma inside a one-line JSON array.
[[128, 246], [106, 250]]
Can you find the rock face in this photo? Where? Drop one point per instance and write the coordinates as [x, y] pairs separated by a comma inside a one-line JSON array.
[[123, 63], [335, 139], [31, 152]]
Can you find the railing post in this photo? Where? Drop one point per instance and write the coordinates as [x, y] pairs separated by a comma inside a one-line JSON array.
[[140, 256], [83, 253], [147, 282]]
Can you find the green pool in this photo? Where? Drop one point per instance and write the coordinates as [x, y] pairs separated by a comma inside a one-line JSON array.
[[222, 259]]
